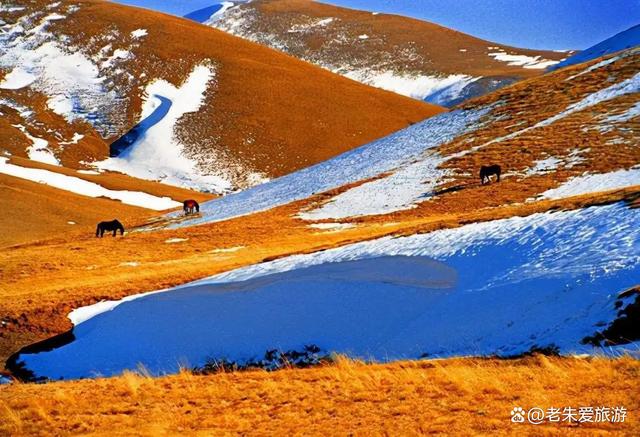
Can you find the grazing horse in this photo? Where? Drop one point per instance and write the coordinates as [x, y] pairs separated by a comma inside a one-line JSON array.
[[487, 170], [113, 225], [190, 207]]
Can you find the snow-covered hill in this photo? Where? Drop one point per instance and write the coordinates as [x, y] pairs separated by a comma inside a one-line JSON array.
[[407, 56], [75, 77], [620, 41]]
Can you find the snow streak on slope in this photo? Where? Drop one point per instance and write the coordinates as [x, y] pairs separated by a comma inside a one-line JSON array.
[[39, 148], [590, 183], [158, 154], [362, 163], [86, 188], [531, 62], [543, 280], [400, 190], [434, 89], [621, 41], [627, 86]]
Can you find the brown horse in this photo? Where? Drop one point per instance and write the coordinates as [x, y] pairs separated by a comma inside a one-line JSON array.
[[113, 225], [190, 207], [486, 171]]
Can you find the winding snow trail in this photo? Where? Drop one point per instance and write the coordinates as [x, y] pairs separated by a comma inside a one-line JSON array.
[[157, 153]]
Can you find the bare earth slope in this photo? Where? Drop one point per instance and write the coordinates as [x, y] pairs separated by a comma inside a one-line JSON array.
[[78, 75], [405, 55]]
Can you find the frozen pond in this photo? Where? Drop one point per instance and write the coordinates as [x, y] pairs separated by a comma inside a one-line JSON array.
[[499, 287]]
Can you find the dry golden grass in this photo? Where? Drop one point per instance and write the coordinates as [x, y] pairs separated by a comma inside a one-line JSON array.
[[453, 397]]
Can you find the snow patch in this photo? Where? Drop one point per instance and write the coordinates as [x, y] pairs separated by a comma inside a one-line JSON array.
[[117, 55], [332, 226], [90, 172], [139, 33], [175, 240], [39, 148], [16, 79], [401, 190], [416, 86], [74, 140], [592, 183], [546, 165], [227, 249], [86, 188], [533, 62]]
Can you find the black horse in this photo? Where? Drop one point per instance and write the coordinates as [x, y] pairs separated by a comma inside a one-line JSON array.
[[113, 225], [190, 207], [487, 170]]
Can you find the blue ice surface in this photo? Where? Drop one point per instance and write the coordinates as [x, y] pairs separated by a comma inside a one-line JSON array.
[[499, 287], [202, 15], [120, 146]]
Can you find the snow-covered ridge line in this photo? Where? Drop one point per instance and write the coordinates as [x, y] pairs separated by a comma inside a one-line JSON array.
[[621, 41], [86, 188]]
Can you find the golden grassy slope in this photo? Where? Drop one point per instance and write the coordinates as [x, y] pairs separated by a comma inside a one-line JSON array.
[[34, 211], [265, 111], [396, 43], [453, 397], [515, 108]]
